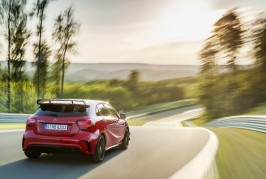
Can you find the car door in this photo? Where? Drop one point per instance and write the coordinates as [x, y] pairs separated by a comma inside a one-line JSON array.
[[118, 124], [104, 114]]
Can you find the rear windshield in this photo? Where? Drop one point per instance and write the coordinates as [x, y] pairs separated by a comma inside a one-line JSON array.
[[61, 110]]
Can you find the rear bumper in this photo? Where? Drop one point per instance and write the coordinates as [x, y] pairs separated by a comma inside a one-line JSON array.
[[82, 143], [44, 148]]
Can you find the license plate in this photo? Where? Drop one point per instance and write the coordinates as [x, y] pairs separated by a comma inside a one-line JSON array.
[[55, 127]]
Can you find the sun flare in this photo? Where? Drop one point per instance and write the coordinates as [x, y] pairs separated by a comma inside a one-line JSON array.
[[186, 22]]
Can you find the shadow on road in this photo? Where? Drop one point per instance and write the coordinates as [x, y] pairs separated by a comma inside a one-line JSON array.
[[53, 166]]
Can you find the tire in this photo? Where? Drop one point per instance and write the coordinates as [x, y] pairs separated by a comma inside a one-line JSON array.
[[32, 154], [125, 141], [100, 150]]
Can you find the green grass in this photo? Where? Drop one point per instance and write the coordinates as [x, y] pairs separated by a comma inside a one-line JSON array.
[[137, 121], [241, 153], [258, 110], [163, 106], [11, 126], [199, 121]]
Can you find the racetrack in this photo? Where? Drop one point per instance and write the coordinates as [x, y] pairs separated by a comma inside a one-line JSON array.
[[154, 152]]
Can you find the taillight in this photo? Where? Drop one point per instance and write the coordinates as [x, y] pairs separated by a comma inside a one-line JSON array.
[[31, 121], [84, 124]]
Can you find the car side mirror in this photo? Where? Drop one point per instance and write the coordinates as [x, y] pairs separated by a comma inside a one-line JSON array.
[[123, 116]]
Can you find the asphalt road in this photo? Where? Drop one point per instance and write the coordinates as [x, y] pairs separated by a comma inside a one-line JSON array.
[[154, 152]]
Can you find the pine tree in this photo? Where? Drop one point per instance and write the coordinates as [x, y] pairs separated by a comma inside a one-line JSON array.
[[65, 29], [44, 66], [229, 33], [39, 11]]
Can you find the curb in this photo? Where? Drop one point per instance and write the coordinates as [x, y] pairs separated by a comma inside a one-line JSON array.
[[200, 166]]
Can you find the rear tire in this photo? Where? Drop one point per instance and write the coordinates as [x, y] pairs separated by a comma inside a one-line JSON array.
[[100, 150], [125, 141], [32, 154]]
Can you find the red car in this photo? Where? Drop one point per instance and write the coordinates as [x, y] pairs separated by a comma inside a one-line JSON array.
[[87, 127]]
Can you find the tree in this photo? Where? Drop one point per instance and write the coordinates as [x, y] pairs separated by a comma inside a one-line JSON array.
[[228, 30], [39, 10], [56, 75], [133, 80], [44, 65], [65, 30], [10, 13], [258, 37], [207, 56], [259, 40], [19, 41], [5, 10]]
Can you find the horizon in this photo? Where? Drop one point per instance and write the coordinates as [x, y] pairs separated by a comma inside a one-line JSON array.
[[153, 64]]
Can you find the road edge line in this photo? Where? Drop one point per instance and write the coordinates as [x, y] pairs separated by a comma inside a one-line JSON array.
[[200, 166]]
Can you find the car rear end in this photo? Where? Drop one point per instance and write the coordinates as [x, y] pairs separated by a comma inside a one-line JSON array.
[[60, 127]]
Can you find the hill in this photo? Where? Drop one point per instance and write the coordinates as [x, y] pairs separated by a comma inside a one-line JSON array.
[[85, 72], [148, 72]]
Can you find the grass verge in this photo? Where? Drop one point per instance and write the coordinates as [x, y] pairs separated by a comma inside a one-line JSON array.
[[11, 126], [199, 121], [258, 110], [137, 121], [241, 153]]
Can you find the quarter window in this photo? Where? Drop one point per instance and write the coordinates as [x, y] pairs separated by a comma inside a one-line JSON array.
[[101, 110], [111, 110]]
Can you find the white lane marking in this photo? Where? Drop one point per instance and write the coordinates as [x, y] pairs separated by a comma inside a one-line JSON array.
[[193, 110], [12, 130], [202, 163]]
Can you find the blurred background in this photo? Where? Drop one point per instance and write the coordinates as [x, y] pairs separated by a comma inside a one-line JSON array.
[[142, 52], [141, 56]]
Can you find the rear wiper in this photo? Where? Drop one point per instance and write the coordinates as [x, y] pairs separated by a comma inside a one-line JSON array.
[[54, 115]]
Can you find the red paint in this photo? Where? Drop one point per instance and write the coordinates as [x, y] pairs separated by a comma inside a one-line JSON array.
[[82, 131]]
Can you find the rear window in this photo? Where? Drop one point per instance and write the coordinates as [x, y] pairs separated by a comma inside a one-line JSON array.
[[61, 110]]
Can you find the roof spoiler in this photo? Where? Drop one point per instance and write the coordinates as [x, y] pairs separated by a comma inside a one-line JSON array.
[[53, 101]]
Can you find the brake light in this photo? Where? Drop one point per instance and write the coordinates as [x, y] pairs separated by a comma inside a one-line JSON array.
[[84, 124], [31, 121]]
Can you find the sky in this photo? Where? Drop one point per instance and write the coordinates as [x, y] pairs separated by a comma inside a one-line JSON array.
[[144, 31]]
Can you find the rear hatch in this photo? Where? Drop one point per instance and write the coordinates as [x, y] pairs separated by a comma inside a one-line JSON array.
[[59, 119]]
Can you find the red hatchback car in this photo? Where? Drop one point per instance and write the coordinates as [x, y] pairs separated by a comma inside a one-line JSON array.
[[75, 126]]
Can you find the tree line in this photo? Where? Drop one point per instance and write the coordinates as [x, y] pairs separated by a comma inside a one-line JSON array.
[[233, 89], [16, 87], [127, 94]]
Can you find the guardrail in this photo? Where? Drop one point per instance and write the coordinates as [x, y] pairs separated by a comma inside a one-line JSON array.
[[13, 118], [256, 123]]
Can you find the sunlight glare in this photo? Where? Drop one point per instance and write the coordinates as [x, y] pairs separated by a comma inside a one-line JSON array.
[[186, 22]]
